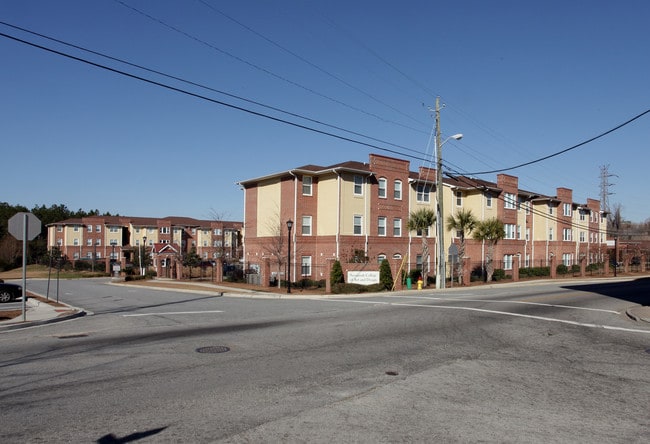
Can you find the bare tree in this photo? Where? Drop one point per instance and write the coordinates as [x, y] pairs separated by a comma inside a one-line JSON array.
[[275, 245]]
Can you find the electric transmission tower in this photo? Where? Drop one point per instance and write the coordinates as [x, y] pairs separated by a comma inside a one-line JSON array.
[[604, 188]]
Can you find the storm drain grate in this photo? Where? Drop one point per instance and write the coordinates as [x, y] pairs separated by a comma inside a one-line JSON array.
[[213, 349], [72, 336]]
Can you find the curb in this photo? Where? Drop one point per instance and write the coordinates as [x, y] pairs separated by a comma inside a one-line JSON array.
[[26, 324]]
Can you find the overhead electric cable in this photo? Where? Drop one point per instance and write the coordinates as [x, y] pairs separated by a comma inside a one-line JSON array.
[[199, 96], [189, 82], [304, 60], [638, 116], [264, 70]]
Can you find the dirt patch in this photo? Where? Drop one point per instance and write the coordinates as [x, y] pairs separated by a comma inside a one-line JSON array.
[[5, 315]]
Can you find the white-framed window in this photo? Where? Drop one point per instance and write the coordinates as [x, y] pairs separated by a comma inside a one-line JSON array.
[[567, 209], [527, 261], [459, 198], [518, 231], [75, 228], [59, 228], [381, 226], [98, 242], [193, 231], [583, 215], [567, 259], [217, 243], [397, 256], [423, 192], [566, 234], [306, 185], [382, 185], [89, 242], [114, 230], [550, 233], [509, 201], [583, 237], [137, 230], [397, 227], [113, 241], [306, 226], [418, 262], [527, 234], [550, 208], [357, 226], [98, 228], [89, 228], [217, 231], [507, 261], [98, 255], [488, 199], [59, 242], [510, 230], [205, 243], [358, 185], [76, 255], [380, 258], [397, 190], [305, 265], [89, 255], [418, 233], [205, 255], [137, 242], [75, 241]]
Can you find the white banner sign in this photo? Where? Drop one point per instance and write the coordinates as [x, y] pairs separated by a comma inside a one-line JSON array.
[[363, 277]]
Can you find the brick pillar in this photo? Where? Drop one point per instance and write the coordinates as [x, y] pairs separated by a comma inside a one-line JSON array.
[[179, 270], [218, 271], [606, 265], [553, 265], [328, 270], [265, 272], [515, 268], [107, 260], [643, 265]]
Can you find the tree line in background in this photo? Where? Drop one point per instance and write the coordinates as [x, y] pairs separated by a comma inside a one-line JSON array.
[[11, 249]]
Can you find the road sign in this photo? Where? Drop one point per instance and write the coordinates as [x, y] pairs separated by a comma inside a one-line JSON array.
[[17, 224]]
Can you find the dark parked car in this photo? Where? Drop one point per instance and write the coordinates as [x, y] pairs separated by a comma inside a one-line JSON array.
[[10, 292]]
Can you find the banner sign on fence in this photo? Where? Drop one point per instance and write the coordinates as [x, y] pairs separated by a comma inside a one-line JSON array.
[[363, 277]]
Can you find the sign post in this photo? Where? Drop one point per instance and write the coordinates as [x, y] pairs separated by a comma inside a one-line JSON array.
[[24, 227]]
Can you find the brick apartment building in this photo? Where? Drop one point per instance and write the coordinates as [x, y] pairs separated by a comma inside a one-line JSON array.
[[167, 240], [358, 212]]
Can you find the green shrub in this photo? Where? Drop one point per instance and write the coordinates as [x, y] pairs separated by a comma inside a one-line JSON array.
[[498, 274], [575, 268], [385, 275], [336, 274], [357, 288], [562, 269]]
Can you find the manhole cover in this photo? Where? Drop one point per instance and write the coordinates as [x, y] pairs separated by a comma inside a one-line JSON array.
[[213, 349]]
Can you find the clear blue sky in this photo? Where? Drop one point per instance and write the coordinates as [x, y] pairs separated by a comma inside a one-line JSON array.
[[520, 79]]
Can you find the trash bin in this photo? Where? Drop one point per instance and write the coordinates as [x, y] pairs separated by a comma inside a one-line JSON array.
[[408, 283]]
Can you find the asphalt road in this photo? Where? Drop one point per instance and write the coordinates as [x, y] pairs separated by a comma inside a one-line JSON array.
[[537, 363]]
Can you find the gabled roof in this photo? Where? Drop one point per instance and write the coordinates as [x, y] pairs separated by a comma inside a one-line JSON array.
[[315, 170]]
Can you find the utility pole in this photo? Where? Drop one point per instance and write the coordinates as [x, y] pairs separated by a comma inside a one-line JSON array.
[[440, 274]]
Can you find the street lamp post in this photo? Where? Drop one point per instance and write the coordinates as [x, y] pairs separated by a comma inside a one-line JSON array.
[[144, 241], [289, 226], [440, 274]]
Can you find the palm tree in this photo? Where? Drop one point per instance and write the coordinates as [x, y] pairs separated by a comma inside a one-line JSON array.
[[421, 220], [490, 231], [463, 222]]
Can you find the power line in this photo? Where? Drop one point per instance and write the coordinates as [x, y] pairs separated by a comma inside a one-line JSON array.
[[638, 116], [199, 96], [264, 70], [188, 82]]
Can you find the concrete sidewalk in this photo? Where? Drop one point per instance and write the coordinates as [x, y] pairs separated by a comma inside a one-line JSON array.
[[39, 313]]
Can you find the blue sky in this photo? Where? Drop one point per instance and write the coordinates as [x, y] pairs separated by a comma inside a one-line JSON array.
[[520, 80]]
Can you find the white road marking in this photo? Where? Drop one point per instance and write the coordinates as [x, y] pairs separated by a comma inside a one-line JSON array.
[[505, 313], [514, 302], [171, 313]]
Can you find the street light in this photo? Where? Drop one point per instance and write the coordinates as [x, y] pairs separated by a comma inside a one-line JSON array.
[[440, 274], [144, 241], [289, 226]]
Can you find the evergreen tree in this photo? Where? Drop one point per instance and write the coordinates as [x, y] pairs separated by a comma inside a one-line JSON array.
[[385, 275], [336, 274]]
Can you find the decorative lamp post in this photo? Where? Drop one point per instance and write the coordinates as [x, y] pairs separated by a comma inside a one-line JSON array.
[[144, 241], [289, 226]]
